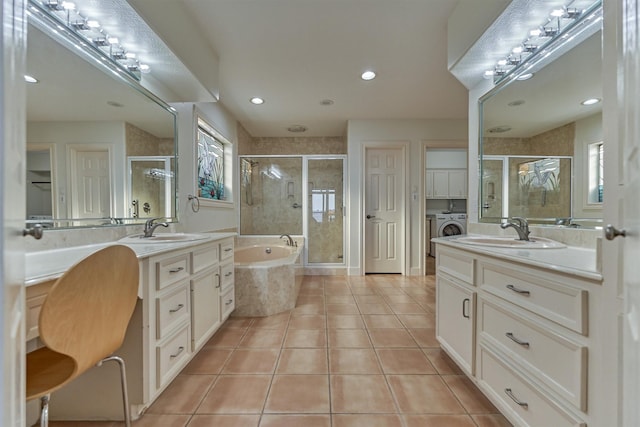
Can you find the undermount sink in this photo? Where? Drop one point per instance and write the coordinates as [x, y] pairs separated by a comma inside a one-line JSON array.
[[511, 242], [163, 238]]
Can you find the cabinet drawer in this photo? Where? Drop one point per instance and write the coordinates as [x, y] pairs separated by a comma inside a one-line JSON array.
[[455, 263], [551, 299], [172, 355], [554, 360], [226, 275], [227, 302], [204, 257], [171, 270], [172, 309], [226, 249], [508, 388]]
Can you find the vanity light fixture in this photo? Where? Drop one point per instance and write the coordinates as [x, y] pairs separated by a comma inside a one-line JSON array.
[[297, 128], [30, 79], [368, 75], [256, 100], [561, 21], [526, 76], [590, 101], [65, 14]]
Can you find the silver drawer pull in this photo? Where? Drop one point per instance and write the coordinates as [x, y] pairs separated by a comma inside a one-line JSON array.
[[516, 340], [180, 350], [228, 274], [515, 399], [218, 276], [228, 302], [228, 249], [520, 291], [178, 308], [176, 270]]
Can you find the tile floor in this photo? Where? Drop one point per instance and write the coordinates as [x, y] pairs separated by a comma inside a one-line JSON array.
[[355, 352]]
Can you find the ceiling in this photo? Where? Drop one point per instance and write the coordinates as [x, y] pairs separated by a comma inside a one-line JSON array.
[[296, 53]]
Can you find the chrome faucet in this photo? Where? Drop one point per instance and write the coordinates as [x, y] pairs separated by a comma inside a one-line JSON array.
[[289, 239], [522, 227], [150, 227]]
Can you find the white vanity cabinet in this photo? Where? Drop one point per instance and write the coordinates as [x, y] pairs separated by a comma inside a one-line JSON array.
[[533, 344]]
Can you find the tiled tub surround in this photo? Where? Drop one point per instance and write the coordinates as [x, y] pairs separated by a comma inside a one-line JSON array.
[[268, 276]]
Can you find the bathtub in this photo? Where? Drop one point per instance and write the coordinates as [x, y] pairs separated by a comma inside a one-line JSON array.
[[267, 278]]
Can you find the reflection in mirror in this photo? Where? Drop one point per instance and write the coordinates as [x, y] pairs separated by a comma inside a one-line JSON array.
[[90, 123], [531, 123]]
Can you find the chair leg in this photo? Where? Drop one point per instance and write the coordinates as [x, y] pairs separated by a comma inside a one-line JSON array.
[[44, 411], [123, 380]]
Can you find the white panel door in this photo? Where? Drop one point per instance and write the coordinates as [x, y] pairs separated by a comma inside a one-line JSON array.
[[12, 212], [384, 211], [91, 187]]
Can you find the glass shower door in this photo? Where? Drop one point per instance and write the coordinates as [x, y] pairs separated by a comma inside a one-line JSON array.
[[151, 187], [325, 211]]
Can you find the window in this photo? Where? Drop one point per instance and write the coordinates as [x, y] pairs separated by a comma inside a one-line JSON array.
[[596, 173], [213, 158]]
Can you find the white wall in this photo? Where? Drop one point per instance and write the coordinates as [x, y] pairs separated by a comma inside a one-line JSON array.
[[438, 158], [414, 133], [588, 131], [212, 216], [62, 134]]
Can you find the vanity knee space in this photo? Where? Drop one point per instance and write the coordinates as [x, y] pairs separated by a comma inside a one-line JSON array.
[[520, 332]]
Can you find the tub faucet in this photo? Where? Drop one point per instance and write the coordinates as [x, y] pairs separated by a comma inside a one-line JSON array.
[[289, 239], [150, 227], [520, 225]]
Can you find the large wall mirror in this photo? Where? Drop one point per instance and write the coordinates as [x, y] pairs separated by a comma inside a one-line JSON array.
[[101, 149], [541, 144]]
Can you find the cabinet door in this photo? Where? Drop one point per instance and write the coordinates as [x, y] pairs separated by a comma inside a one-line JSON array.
[[440, 184], [458, 184], [455, 323], [428, 181], [205, 306]]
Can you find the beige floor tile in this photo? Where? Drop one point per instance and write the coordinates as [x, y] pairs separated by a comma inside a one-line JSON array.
[[310, 299], [491, 420], [353, 361], [406, 308], [314, 321], [225, 421], [305, 338], [342, 309], [375, 308], [299, 394], [337, 289], [295, 421], [209, 360], [366, 420], [263, 338], [361, 394], [423, 394], [468, 394], [381, 321], [391, 338], [404, 361], [340, 299], [226, 337], [303, 361], [391, 291], [151, 420], [402, 298], [83, 424], [307, 309], [369, 299], [417, 321], [277, 321], [348, 338], [345, 321], [363, 289], [442, 362], [308, 291], [425, 337], [236, 394], [438, 421], [238, 322], [252, 361], [183, 395]]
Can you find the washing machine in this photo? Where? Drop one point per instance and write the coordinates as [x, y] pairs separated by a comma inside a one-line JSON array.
[[451, 224]]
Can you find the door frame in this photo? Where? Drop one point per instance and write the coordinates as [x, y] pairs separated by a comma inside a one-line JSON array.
[[405, 246]]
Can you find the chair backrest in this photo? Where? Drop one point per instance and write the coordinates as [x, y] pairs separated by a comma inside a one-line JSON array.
[[86, 312]]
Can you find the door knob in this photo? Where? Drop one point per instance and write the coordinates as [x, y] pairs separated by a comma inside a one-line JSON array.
[[610, 232], [35, 231], [370, 216]]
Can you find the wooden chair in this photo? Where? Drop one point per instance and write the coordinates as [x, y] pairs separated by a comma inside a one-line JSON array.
[[83, 321]]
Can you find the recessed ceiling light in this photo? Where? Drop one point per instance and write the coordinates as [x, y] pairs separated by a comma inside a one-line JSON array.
[[368, 75], [326, 102], [30, 79], [516, 103], [115, 104], [297, 128], [256, 100], [590, 101], [499, 129], [525, 76]]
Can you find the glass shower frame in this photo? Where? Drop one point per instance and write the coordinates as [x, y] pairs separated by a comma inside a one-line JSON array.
[[306, 204]]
